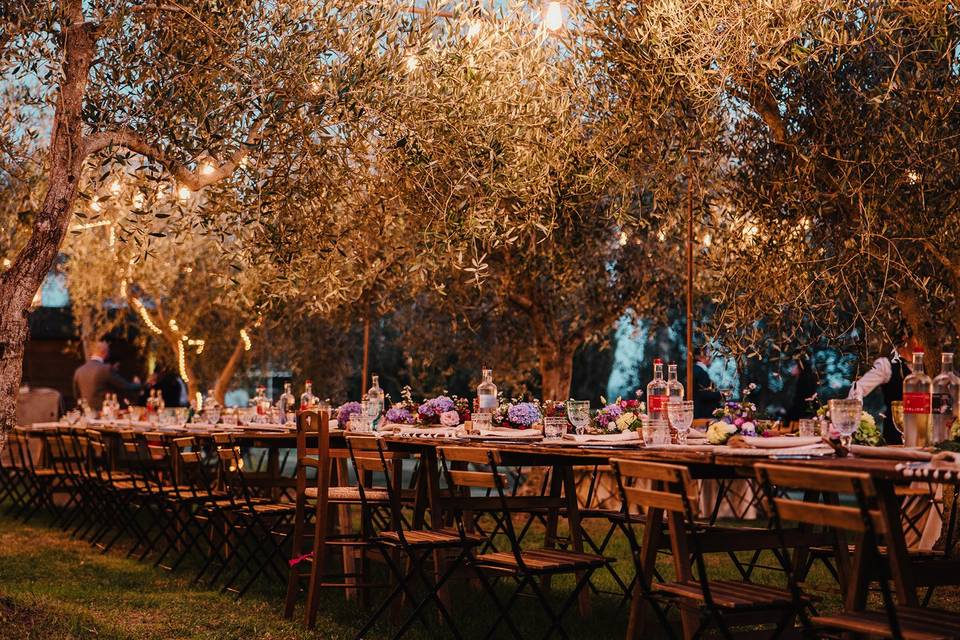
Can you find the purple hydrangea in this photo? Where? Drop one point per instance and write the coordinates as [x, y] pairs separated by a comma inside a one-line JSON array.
[[609, 415], [346, 410], [399, 415], [435, 406], [523, 414]]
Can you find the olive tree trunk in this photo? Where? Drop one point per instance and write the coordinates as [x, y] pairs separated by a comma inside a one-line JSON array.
[[556, 371], [20, 282], [226, 374]]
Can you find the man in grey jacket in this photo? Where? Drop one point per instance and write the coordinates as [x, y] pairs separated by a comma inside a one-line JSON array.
[[94, 378]]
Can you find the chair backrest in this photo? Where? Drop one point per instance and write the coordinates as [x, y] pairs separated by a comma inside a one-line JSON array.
[[368, 456], [650, 485], [863, 517]]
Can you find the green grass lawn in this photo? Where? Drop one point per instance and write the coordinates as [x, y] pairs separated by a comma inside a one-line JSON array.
[[54, 587]]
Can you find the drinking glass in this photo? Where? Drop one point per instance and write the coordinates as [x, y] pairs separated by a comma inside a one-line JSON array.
[[554, 427], [655, 431], [896, 414], [578, 411], [371, 410], [845, 416], [807, 428], [680, 413], [481, 421]]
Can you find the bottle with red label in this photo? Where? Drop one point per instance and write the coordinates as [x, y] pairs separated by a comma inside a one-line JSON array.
[[946, 395], [307, 399], [917, 405], [658, 392]]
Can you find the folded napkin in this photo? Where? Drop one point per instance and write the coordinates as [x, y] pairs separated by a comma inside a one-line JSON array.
[[776, 442], [409, 431], [509, 434], [693, 434], [691, 447], [890, 453], [603, 438]]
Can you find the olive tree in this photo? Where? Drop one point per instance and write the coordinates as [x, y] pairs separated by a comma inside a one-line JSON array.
[[208, 96]]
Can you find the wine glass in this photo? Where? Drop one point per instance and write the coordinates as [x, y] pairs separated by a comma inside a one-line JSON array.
[[578, 411], [845, 417], [680, 413], [896, 414]]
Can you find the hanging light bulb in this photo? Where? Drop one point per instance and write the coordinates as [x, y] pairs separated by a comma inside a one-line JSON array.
[[553, 17]]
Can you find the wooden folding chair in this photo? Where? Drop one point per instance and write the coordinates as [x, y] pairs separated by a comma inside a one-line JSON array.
[[705, 603], [525, 566], [867, 521]]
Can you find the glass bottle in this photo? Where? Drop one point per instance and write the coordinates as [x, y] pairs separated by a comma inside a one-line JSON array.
[[917, 400], [307, 399], [657, 393], [674, 386], [487, 393], [260, 403], [375, 393], [946, 395], [287, 404]]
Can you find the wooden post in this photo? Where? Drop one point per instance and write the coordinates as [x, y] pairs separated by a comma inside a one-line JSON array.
[[690, 288], [366, 356]]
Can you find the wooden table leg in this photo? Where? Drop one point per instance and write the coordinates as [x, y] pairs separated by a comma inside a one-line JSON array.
[[553, 516], [637, 627], [896, 545], [573, 520]]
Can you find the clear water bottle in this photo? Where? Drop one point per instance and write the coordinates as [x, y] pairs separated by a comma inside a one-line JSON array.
[[674, 387], [487, 393], [946, 395], [307, 399], [287, 404], [375, 393], [917, 401], [657, 393]]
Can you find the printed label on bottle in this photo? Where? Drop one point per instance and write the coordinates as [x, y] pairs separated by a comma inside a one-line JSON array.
[[941, 404], [657, 403], [915, 402], [488, 402]]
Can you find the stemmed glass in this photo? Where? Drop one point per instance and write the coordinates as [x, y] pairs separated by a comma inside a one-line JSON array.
[[578, 411], [845, 417], [680, 413], [896, 413]]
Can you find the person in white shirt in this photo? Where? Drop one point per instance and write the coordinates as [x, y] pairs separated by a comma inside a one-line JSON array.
[[887, 374]]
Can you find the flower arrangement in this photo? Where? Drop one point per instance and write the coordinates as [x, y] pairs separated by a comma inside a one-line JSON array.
[[734, 418], [867, 433], [399, 415], [619, 416], [462, 407], [554, 409], [519, 415], [430, 411], [346, 410]]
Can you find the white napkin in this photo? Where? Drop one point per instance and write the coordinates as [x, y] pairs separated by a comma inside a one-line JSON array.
[[603, 438], [890, 453], [500, 432], [781, 442], [427, 432]]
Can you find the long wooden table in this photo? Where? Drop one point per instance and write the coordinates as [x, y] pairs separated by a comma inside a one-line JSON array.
[[703, 465]]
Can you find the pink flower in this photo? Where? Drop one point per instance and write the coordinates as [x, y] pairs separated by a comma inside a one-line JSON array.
[[738, 422], [450, 418]]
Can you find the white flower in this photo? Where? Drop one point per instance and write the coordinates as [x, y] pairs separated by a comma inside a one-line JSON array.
[[720, 432], [450, 418]]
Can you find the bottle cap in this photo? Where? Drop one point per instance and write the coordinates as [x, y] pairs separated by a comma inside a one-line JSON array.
[[309, 381], [657, 361]]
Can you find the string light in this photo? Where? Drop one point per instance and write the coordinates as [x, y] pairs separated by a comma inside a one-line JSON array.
[[246, 340], [123, 289], [173, 325], [89, 225], [145, 315], [182, 361], [6, 263], [199, 401], [553, 17], [112, 240], [195, 343]]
